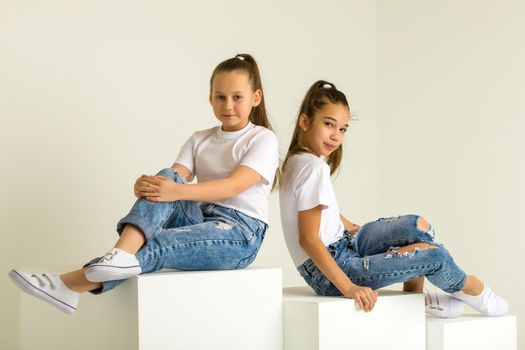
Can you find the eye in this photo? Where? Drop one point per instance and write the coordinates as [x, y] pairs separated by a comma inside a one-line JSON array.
[[237, 97], [344, 130], [219, 97], [329, 124]]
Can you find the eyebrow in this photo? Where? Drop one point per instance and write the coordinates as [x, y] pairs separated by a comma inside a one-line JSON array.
[[335, 120], [222, 93]]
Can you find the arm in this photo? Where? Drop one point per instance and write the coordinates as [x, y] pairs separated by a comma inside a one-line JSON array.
[[309, 223], [349, 226], [161, 189]]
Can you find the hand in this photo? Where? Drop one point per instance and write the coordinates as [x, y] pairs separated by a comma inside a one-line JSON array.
[[365, 298], [353, 229], [156, 188], [140, 188]]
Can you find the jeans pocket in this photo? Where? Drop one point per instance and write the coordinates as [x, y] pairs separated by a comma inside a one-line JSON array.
[[251, 226]]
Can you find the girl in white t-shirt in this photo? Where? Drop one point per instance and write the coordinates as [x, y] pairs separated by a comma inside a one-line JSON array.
[[217, 223], [338, 257]]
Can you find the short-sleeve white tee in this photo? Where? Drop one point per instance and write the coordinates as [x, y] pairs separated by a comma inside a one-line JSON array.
[[213, 154], [306, 184]]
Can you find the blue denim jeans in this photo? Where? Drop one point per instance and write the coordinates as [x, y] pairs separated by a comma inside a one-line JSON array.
[[184, 235], [369, 258]]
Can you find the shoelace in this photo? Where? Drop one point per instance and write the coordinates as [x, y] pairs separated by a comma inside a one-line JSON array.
[[432, 304], [108, 256], [44, 279]]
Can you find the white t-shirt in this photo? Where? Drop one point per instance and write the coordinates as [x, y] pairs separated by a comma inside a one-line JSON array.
[[306, 184], [213, 154]]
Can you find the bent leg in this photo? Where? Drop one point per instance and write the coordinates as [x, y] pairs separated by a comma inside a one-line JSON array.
[[222, 242], [151, 217], [402, 265], [380, 235], [146, 218]]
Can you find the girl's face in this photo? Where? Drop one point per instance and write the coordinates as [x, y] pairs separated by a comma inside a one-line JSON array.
[[232, 99], [326, 131]]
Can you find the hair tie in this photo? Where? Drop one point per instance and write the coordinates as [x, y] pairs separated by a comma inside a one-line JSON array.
[[241, 58], [326, 86]]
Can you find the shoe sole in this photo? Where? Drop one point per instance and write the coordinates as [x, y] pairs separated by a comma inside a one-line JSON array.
[[33, 290], [105, 273]]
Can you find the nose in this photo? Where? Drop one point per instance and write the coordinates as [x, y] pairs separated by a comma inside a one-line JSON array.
[[229, 104], [336, 135]]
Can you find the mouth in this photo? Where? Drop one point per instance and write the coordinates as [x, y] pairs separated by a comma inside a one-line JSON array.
[[228, 115], [329, 147]]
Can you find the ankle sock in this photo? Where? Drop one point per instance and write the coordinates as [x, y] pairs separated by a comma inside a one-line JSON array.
[[487, 303]]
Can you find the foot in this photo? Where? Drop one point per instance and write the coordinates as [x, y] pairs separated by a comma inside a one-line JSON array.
[[442, 305], [487, 303], [115, 265], [46, 286]]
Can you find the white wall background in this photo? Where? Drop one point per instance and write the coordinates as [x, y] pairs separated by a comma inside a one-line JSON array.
[[451, 86], [93, 94]]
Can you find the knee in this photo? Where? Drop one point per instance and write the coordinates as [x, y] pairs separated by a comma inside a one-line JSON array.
[[424, 226], [410, 249], [167, 172], [170, 173]]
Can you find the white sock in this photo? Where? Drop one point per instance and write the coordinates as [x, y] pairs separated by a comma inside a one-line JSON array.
[[487, 303]]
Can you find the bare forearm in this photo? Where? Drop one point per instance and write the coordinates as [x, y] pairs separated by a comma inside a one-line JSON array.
[[208, 191]]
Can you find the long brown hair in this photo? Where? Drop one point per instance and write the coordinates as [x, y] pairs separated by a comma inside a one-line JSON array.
[[319, 94], [245, 62]]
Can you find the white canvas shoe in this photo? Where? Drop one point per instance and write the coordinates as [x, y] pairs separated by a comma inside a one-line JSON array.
[[46, 286], [115, 265], [442, 305]]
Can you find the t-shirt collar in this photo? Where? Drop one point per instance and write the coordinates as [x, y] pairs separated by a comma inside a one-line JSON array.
[[221, 134]]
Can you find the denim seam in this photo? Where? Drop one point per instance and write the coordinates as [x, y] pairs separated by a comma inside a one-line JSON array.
[[140, 223], [188, 216], [392, 273], [254, 253], [244, 223], [214, 241]]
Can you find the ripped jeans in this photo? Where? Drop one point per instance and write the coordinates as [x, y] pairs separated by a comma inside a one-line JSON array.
[[370, 259], [184, 235]]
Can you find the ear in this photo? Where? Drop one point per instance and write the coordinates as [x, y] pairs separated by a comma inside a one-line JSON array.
[[209, 98], [303, 122], [257, 97]]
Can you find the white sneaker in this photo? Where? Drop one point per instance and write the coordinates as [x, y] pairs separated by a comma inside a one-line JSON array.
[[47, 286], [487, 303], [115, 265], [442, 305]]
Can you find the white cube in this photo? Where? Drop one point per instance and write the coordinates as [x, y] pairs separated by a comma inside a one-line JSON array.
[[314, 322], [472, 332], [239, 309]]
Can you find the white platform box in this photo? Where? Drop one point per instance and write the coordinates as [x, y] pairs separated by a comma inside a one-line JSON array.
[[240, 309], [472, 332], [314, 322]]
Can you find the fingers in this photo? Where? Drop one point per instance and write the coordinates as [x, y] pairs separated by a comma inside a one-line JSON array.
[[153, 180], [365, 299]]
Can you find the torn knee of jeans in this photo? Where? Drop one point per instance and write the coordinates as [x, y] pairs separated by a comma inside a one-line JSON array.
[[224, 226], [424, 226]]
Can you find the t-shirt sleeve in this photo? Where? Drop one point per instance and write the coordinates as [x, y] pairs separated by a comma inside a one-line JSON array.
[[185, 156], [263, 156], [311, 186]]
